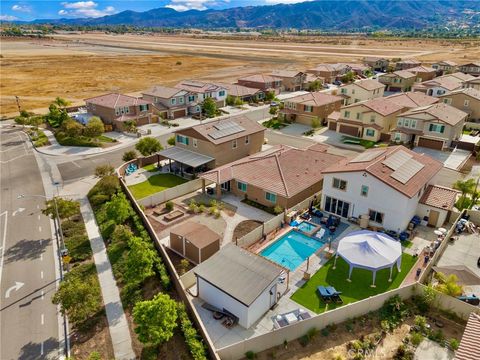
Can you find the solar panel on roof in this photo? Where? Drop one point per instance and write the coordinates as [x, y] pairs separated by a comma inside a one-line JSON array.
[[396, 160], [367, 156], [408, 170], [225, 128]]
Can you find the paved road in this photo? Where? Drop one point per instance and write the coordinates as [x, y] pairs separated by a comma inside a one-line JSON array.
[[29, 327]]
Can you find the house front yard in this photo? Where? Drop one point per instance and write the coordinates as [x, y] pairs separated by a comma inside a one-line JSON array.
[[358, 289], [154, 184]]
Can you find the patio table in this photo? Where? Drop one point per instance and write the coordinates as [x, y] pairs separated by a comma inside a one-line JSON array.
[[291, 318]]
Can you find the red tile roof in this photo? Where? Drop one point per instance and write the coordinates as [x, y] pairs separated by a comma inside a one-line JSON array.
[[470, 344], [283, 170], [369, 84], [286, 73], [315, 99], [164, 92], [412, 99], [376, 168], [260, 78], [439, 197], [114, 100], [239, 90], [379, 105], [422, 69], [440, 111], [197, 86]]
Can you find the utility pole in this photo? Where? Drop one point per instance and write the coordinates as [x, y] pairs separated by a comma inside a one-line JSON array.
[[17, 99]]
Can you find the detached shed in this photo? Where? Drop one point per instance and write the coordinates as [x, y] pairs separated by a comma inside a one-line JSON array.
[[437, 203], [240, 282], [193, 241]]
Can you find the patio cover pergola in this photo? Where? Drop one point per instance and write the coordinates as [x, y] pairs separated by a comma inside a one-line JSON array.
[[369, 250], [185, 157]]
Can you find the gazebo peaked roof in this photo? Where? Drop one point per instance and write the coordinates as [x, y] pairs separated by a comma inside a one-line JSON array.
[[370, 250]]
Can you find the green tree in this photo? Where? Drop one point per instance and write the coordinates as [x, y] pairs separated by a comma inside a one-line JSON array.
[[129, 155], [79, 294], [61, 103], [94, 127], [55, 116], [118, 208], [121, 234], [348, 77], [140, 261], [270, 96], [130, 126], [448, 284], [72, 128], [171, 140], [315, 85], [316, 122], [466, 187], [66, 208], [148, 146], [104, 170], [273, 110], [155, 319], [209, 107]]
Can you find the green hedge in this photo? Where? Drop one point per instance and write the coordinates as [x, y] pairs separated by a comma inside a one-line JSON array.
[[65, 140], [192, 338], [76, 239]]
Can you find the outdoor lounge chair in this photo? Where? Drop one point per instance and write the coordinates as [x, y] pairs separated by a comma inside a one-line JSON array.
[[324, 294], [335, 295]]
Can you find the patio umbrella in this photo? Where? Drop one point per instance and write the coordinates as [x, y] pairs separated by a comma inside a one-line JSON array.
[[443, 230], [437, 232]]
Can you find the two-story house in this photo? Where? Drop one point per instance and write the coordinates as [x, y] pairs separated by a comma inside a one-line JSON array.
[[292, 80], [206, 146], [369, 120], [423, 73], [361, 90], [202, 90], [114, 109], [407, 64], [434, 126], [440, 85], [171, 103], [400, 80], [386, 186], [359, 69], [376, 63], [263, 82], [444, 67], [244, 93], [410, 100], [472, 83], [467, 100], [472, 68], [329, 72], [314, 105]]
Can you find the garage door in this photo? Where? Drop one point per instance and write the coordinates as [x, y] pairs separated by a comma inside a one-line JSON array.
[[178, 113], [430, 143], [332, 125], [349, 130]]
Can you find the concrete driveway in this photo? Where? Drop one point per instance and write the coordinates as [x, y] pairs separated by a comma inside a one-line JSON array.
[[432, 351], [452, 160]]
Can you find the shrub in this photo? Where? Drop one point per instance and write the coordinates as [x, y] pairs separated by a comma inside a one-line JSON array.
[[304, 340], [94, 127], [201, 208], [421, 322], [104, 170], [312, 332], [192, 206], [315, 123], [192, 339], [250, 355], [178, 63], [325, 332], [277, 209], [217, 214], [107, 186], [171, 141], [454, 344], [129, 155], [95, 355], [99, 199], [416, 338], [169, 205]]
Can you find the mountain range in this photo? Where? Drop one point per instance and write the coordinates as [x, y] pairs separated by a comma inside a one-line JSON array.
[[320, 14]]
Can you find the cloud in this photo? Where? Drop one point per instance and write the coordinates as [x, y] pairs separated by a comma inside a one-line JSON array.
[[85, 9], [184, 5], [8, 18], [21, 8], [271, 2]]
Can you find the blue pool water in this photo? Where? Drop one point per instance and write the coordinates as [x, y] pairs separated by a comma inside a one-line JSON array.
[[306, 227], [292, 249]]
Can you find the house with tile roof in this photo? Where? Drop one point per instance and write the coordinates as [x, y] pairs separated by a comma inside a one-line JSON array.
[[376, 63], [441, 200], [472, 83], [282, 175], [407, 64], [203, 90], [445, 66], [410, 99], [434, 126], [329, 72], [244, 93], [361, 90], [369, 120], [292, 80], [469, 348], [263, 82], [359, 186], [472, 68], [206, 146], [401, 80], [442, 85], [171, 103], [423, 73], [314, 105], [466, 99], [115, 109]]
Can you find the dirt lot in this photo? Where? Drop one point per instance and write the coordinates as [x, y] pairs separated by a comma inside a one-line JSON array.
[[80, 66]]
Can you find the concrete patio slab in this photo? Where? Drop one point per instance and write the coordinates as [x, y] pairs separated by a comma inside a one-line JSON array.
[[432, 351]]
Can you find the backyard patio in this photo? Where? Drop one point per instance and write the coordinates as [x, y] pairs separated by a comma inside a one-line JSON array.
[[358, 289], [155, 183]]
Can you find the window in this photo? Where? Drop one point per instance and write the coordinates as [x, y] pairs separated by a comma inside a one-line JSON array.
[[173, 101], [357, 100], [370, 132], [447, 101], [308, 108], [406, 122], [359, 116], [413, 123], [339, 184], [398, 137], [400, 122], [180, 100], [194, 142], [347, 114], [343, 90], [353, 91], [247, 140], [466, 103], [364, 190], [372, 118], [234, 144], [221, 93], [191, 98], [436, 128], [376, 216], [241, 186], [144, 107], [336, 206], [182, 139], [271, 197]]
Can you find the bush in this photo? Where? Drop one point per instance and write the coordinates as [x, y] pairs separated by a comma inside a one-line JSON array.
[[454, 344], [78, 247], [325, 332], [129, 155], [416, 338], [169, 205], [104, 170], [107, 186], [95, 355], [171, 141], [277, 209], [94, 127], [99, 199], [304, 340], [192, 339], [192, 206], [148, 146], [316, 123], [421, 322]]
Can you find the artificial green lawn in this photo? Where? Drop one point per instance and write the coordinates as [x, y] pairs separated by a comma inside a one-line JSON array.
[[353, 291], [151, 167], [154, 184]]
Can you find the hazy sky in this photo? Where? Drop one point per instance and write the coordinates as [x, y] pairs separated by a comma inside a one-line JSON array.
[[37, 9]]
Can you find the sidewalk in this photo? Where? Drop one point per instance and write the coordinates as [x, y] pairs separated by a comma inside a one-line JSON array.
[[117, 321]]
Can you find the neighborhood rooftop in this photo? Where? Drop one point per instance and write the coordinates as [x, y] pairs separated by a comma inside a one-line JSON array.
[[439, 197], [440, 111], [412, 99], [261, 78], [379, 105], [239, 273], [469, 348], [198, 234], [164, 91], [114, 100], [197, 86], [315, 99], [369, 84]]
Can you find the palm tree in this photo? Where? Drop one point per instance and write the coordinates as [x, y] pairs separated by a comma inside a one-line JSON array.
[[465, 187], [61, 103], [448, 284]]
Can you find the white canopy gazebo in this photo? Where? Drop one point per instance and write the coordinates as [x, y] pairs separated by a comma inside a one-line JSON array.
[[369, 250]]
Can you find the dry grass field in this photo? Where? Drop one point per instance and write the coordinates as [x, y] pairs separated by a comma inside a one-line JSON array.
[[84, 65]]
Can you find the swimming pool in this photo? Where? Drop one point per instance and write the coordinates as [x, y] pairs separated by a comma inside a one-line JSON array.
[[292, 249], [307, 227]]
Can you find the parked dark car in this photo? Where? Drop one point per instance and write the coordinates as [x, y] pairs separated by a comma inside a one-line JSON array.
[[337, 82], [273, 104]]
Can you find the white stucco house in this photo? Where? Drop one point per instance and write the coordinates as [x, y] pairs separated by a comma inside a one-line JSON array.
[[387, 184], [238, 282]]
